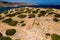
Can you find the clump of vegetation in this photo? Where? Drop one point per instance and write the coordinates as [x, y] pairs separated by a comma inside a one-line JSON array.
[[11, 11], [2, 18], [55, 19], [55, 37], [49, 10], [23, 24], [22, 16], [28, 10], [42, 13], [7, 20], [6, 12], [17, 39], [1, 35], [10, 15], [39, 15], [10, 22], [0, 15], [57, 15], [34, 12], [38, 9], [10, 32], [17, 13], [50, 13], [22, 9], [13, 23], [5, 38], [47, 34], [31, 15]]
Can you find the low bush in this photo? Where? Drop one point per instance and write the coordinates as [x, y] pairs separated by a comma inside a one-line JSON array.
[[10, 15], [55, 37], [42, 13], [50, 13], [39, 15], [2, 18], [55, 19], [22, 16], [1, 35], [0, 15], [8, 20], [5, 38], [6, 12], [31, 15], [57, 15], [10, 32], [35, 12], [23, 24], [13, 23], [47, 34], [17, 13]]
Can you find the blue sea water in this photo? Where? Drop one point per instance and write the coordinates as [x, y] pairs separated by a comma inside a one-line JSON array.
[[2, 9]]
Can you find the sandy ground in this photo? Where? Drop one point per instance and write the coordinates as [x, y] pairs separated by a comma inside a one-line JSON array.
[[33, 31]]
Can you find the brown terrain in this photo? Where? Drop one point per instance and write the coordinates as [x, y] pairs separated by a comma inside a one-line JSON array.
[[13, 4], [36, 27]]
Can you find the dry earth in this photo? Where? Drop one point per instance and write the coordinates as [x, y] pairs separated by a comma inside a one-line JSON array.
[[35, 28]]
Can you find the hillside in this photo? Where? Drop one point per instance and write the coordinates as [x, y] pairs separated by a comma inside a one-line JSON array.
[[13, 4], [28, 23]]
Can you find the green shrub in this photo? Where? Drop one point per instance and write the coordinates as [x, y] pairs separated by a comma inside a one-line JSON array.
[[11, 11], [23, 24], [5, 38], [5, 12], [17, 13], [57, 15], [28, 10], [2, 18], [34, 12], [50, 13], [55, 37], [13, 23], [22, 16], [47, 34], [0, 15], [10, 32], [22, 9], [7, 20], [55, 19], [42, 13], [17, 39], [49, 10], [10, 15], [1, 35], [39, 15], [31, 15]]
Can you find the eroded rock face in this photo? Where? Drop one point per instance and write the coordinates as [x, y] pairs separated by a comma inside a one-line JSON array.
[[34, 28]]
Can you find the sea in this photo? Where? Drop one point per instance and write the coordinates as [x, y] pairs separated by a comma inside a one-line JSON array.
[[2, 9]]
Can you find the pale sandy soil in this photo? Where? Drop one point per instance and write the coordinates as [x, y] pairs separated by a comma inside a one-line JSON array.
[[32, 31]]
